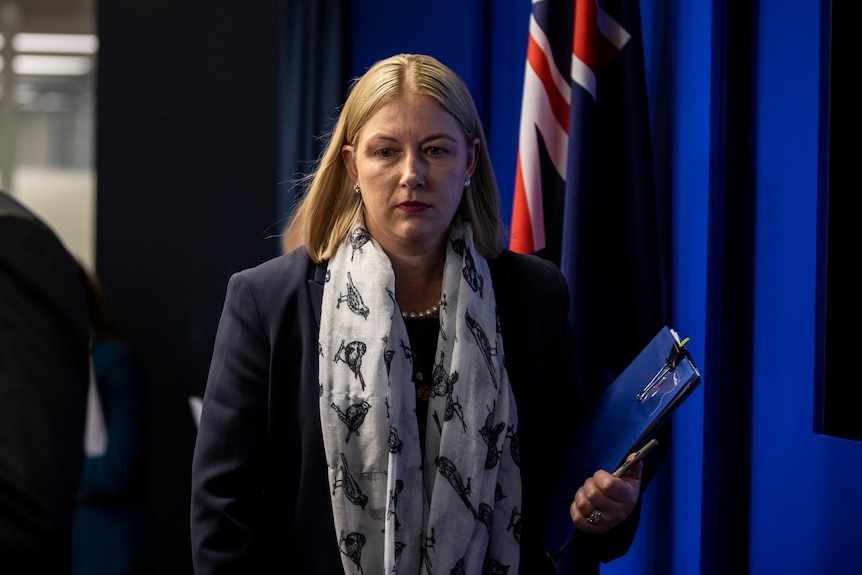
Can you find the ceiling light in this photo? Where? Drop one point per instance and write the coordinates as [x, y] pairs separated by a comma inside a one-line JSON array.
[[28, 65], [56, 43]]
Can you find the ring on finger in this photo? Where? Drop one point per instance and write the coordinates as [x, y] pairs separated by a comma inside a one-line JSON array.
[[594, 517]]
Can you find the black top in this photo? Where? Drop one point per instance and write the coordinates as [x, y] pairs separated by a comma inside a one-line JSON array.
[[423, 335]]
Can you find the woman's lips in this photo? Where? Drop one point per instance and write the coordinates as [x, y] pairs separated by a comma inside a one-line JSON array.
[[413, 207]]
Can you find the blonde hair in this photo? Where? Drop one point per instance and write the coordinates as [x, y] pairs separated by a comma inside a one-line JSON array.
[[330, 206]]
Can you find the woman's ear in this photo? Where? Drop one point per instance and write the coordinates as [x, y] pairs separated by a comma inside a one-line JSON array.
[[349, 162]]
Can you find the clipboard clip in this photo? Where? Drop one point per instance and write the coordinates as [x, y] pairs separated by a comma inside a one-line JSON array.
[[677, 353]]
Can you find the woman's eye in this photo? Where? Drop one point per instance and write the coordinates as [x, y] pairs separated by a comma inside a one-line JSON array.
[[435, 151], [385, 153]]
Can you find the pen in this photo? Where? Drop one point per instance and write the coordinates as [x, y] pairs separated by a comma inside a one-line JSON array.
[[639, 454]]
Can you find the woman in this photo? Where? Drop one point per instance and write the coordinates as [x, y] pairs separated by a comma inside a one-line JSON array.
[[393, 395]]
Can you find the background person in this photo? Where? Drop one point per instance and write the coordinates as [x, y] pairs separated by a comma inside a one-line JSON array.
[[113, 532], [44, 371]]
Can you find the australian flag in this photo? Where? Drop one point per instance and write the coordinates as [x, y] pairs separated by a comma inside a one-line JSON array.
[[585, 194]]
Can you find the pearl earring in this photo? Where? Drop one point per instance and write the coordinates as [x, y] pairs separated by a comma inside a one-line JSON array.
[[467, 182]]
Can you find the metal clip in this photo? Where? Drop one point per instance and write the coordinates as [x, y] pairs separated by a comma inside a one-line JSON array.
[[676, 355]]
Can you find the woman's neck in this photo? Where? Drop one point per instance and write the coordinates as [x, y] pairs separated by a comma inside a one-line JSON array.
[[418, 281]]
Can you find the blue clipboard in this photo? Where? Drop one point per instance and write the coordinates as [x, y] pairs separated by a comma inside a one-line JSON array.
[[624, 418]]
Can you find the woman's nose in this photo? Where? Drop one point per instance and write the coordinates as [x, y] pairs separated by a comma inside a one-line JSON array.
[[413, 170]]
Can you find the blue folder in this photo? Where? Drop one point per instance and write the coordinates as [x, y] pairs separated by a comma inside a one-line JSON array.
[[623, 420]]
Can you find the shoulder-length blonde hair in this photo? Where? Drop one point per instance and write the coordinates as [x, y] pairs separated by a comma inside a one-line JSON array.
[[330, 207]]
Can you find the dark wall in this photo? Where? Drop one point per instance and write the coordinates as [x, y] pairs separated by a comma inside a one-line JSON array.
[[187, 169]]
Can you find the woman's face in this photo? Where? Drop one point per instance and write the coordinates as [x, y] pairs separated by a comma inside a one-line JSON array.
[[411, 160]]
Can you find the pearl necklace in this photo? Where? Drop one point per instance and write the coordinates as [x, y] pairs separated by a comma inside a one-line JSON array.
[[432, 311]]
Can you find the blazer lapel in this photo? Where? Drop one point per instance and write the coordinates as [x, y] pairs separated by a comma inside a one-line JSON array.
[[317, 277]]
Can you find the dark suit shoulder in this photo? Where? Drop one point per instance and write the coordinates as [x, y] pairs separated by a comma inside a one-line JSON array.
[[285, 272], [11, 208], [524, 263], [527, 272], [40, 274], [24, 232], [287, 284]]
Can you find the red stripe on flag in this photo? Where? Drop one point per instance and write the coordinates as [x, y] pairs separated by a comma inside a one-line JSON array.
[[539, 63], [521, 240]]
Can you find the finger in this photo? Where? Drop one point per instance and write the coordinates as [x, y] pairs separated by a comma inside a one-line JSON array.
[[590, 521], [587, 513], [635, 471], [615, 489], [615, 498]]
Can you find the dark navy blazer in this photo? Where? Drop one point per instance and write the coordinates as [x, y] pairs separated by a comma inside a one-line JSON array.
[[260, 493]]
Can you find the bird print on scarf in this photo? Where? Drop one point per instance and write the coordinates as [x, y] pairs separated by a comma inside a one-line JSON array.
[[351, 354]]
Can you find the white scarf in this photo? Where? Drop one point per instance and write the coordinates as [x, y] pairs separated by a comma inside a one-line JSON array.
[[391, 514]]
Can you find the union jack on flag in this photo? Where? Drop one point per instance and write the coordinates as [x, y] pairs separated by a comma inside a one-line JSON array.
[[546, 104]]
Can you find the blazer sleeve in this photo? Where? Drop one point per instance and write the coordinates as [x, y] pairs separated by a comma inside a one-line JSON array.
[[230, 450]]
